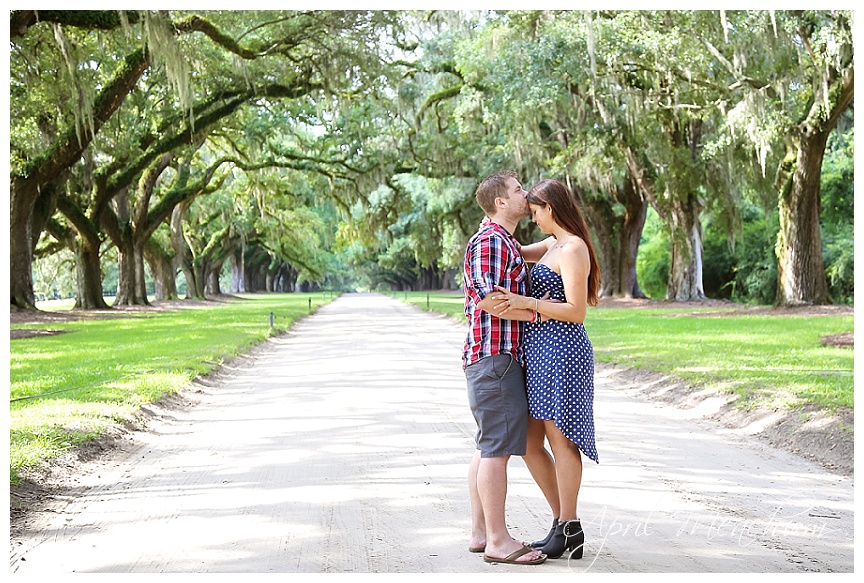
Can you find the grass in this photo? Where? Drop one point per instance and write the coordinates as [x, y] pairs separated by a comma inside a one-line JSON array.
[[68, 388], [767, 360]]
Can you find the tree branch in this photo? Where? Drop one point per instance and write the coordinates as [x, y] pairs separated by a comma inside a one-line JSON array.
[[21, 20]]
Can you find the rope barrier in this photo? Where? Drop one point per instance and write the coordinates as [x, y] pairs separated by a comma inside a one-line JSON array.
[[39, 396]]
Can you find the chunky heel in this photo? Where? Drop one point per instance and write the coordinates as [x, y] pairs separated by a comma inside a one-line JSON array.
[[576, 538]]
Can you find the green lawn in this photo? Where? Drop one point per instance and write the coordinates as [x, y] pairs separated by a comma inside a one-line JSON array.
[[772, 360], [69, 387]]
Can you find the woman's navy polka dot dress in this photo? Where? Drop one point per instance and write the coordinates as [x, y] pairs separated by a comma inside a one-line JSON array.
[[560, 369]]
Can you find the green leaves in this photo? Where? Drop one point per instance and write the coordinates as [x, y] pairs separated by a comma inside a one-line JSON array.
[[693, 103]]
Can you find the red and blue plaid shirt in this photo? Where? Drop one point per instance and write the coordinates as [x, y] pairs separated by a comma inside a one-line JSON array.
[[492, 258]]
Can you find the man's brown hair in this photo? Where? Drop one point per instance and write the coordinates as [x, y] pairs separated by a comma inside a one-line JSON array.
[[492, 187]]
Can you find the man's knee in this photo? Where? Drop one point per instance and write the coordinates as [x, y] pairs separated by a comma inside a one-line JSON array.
[[495, 461]]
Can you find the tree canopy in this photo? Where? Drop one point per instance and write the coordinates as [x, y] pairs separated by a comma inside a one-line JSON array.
[[286, 150]]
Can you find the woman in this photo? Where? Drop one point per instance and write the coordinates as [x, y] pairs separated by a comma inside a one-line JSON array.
[[560, 359]]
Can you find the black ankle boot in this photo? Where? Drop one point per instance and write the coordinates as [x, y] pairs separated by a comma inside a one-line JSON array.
[[568, 536], [545, 541]]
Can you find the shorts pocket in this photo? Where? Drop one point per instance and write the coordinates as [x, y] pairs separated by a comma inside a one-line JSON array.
[[501, 364]]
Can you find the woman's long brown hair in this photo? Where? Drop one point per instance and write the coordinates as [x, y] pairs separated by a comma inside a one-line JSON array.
[[566, 213]]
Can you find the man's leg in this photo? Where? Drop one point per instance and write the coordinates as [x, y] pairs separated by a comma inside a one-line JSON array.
[[496, 395], [492, 488], [478, 519]]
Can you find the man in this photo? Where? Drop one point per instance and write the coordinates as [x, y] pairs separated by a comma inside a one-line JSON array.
[[493, 361]]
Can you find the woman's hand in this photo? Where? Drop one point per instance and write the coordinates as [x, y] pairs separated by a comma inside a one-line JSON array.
[[510, 301]]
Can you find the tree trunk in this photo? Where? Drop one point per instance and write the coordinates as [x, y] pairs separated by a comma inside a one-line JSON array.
[[681, 207], [88, 274], [283, 282], [801, 272], [196, 286], [131, 286], [430, 278], [268, 281], [84, 240], [618, 241], [194, 289], [276, 278], [200, 274], [450, 279], [237, 279], [181, 251], [257, 262], [213, 279], [44, 208], [31, 207], [685, 270], [164, 272], [238, 270], [632, 223], [252, 277], [599, 214], [21, 250], [290, 278], [135, 226]]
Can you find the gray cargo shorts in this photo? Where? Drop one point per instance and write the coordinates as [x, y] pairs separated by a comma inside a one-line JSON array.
[[499, 403]]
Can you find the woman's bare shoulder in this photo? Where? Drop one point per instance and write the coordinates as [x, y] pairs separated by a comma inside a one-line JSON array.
[[575, 250]]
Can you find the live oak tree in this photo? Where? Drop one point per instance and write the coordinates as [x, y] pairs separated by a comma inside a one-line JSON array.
[[403, 144], [526, 99], [130, 129], [46, 142], [648, 88], [794, 71], [663, 92], [570, 127], [301, 51]]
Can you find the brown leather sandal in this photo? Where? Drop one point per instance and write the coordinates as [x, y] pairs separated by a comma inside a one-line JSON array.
[[511, 558]]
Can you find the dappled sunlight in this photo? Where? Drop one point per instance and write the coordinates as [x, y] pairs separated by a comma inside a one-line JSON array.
[[719, 499], [347, 432], [200, 152], [756, 352]]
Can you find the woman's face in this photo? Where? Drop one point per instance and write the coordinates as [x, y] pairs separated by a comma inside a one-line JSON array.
[[542, 217]]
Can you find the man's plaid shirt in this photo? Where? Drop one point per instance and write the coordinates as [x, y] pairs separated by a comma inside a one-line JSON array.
[[492, 258]]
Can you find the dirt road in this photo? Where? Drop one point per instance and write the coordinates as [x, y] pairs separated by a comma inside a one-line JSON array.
[[343, 446]]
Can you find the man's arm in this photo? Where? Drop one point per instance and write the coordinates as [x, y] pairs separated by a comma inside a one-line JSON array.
[[484, 275]]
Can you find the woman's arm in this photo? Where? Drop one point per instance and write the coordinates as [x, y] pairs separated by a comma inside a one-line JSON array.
[[575, 265], [497, 308]]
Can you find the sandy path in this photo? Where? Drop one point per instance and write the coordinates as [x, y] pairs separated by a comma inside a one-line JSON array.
[[345, 448]]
